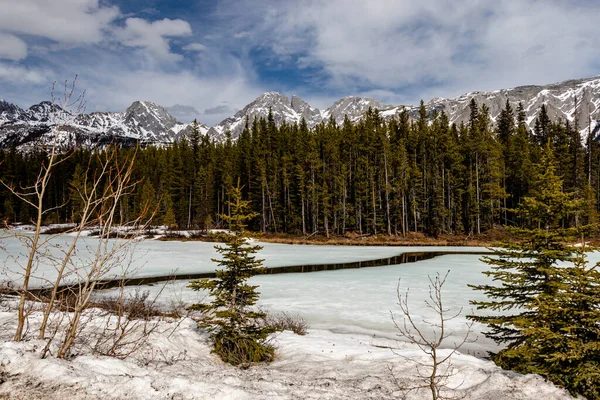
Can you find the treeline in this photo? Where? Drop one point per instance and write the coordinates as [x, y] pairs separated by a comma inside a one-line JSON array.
[[372, 177]]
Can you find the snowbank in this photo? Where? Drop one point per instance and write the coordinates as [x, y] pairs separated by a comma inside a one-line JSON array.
[[177, 363]]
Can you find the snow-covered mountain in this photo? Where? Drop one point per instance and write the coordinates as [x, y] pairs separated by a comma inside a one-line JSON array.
[[142, 122], [355, 108], [292, 111], [577, 101], [281, 108]]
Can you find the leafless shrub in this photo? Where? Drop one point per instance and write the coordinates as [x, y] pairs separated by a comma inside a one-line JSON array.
[[287, 322], [5, 290], [158, 356], [134, 306], [129, 320], [120, 336], [34, 194], [97, 195], [434, 374]]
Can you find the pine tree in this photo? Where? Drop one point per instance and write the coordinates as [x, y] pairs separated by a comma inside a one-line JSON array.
[[526, 268], [565, 343], [168, 216], [237, 331], [147, 199], [554, 298]]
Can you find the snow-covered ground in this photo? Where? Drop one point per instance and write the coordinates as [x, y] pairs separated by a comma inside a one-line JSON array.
[[176, 363], [357, 301], [346, 355]]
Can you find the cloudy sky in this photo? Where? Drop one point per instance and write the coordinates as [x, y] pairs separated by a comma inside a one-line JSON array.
[[218, 55]]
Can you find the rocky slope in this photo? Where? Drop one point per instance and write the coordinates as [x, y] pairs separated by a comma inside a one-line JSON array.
[[282, 109], [577, 101], [142, 122]]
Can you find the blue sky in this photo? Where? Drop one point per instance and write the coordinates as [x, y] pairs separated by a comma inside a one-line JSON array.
[[217, 56]]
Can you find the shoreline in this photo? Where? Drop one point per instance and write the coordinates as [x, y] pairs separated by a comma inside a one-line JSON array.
[[410, 240]]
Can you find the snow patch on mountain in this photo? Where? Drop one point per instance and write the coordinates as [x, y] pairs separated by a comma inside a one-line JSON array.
[[281, 108], [576, 101], [143, 122]]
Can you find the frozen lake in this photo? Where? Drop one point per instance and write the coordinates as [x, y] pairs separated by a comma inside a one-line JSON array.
[[342, 301], [360, 300], [150, 258]]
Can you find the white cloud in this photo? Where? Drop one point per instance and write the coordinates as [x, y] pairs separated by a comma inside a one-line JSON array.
[[66, 21], [172, 88], [18, 74], [396, 51], [241, 35], [437, 47], [153, 36], [12, 48], [82, 22], [194, 47]]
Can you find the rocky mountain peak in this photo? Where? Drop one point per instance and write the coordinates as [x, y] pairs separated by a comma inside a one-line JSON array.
[[9, 111], [354, 107], [145, 111], [281, 108], [577, 101], [304, 109], [42, 112], [142, 121]]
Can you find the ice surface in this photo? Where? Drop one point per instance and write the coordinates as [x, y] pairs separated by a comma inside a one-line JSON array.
[[343, 301], [346, 354], [359, 301], [158, 258]]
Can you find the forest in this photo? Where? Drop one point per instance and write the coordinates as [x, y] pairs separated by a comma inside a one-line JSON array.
[[393, 177]]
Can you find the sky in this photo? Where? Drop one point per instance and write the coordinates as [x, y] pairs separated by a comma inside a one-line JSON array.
[[215, 56]]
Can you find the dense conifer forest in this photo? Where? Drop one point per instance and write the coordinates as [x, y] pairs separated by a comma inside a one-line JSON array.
[[391, 177]]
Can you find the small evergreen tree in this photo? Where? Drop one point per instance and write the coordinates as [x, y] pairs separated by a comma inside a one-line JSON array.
[[9, 211], [554, 297], [238, 332], [565, 343], [168, 216]]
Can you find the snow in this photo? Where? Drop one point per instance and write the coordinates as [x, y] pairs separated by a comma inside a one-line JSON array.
[[358, 301], [351, 350], [157, 258], [176, 363]]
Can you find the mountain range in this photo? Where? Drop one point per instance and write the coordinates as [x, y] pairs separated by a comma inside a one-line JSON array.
[[577, 101]]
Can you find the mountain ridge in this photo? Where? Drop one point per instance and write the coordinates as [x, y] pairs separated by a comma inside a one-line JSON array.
[[574, 100]]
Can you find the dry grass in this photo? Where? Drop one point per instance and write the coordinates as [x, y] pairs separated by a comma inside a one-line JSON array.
[[286, 322], [411, 239], [134, 306]]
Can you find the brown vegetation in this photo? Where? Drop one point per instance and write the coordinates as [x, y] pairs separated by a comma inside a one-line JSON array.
[[411, 239]]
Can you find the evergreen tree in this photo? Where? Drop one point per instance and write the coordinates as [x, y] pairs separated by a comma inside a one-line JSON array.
[[564, 345], [168, 216], [541, 129], [526, 268], [237, 331], [548, 299], [147, 199]]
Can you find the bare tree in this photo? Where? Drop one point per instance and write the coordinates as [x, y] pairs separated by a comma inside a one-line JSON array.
[[98, 195], [92, 199], [435, 373], [107, 253], [34, 194]]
